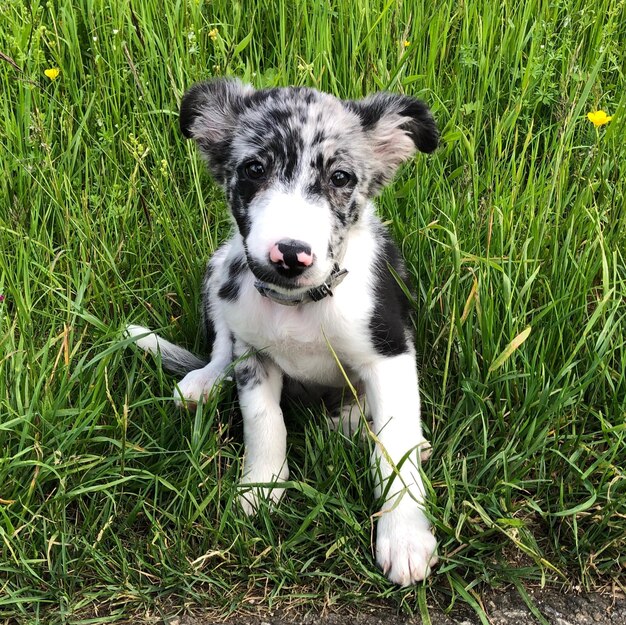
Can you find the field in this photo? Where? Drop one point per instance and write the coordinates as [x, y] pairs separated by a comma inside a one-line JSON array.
[[116, 505]]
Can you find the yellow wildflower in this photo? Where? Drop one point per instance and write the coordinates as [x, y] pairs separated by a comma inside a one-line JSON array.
[[406, 43], [599, 118], [213, 33], [52, 73]]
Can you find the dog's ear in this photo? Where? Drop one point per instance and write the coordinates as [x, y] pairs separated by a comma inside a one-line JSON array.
[[396, 126], [209, 113]]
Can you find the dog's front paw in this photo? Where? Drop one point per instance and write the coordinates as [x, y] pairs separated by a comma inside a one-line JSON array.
[[196, 386], [405, 546], [252, 496]]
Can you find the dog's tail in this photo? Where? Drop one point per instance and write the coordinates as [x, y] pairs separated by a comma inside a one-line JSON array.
[[175, 359]]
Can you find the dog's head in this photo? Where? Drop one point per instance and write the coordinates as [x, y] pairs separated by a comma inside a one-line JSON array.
[[298, 166]]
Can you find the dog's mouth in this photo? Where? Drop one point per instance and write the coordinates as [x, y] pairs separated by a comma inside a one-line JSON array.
[[282, 279], [294, 290]]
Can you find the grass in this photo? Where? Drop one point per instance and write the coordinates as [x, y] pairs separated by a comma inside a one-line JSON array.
[[113, 504]]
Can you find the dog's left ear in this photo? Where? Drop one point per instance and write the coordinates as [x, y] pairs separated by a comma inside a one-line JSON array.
[[396, 126]]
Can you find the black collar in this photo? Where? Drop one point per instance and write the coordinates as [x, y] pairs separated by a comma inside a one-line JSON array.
[[313, 295]]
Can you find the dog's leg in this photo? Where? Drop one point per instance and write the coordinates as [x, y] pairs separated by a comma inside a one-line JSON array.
[[348, 417], [259, 385], [405, 546], [196, 386], [348, 420]]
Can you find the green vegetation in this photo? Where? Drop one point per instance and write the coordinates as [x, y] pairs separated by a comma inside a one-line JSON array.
[[112, 502]]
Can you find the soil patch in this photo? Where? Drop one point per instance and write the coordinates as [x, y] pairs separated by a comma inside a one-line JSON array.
[[505, 607]]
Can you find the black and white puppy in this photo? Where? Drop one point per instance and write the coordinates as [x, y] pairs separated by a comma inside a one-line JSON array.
[[308, 268]]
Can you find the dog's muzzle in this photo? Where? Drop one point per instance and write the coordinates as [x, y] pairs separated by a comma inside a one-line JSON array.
[[312, 295]]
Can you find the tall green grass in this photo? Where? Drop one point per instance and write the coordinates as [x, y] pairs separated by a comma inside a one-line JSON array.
[[113, 503]]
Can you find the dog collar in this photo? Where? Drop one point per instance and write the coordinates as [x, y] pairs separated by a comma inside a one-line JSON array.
[[312, 295]]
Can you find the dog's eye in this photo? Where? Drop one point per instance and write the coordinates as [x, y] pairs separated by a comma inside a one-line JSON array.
[[340, 178], [255, 170]]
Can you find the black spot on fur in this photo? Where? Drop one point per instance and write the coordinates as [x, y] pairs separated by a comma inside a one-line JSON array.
[[339, 214], [353, 211], [240, 213], [293, 149], [247, 376], [286, 146], [206, 323], [389, 322], [263, 95], [237, 267], [330, 161], [318, 137], [315, 188], [279, 116], [309, 95], [249, 367], [230, 289]]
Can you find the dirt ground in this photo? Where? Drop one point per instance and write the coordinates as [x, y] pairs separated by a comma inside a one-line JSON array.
[[502, 608]]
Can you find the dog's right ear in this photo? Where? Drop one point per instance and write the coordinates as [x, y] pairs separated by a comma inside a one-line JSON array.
[[209, 113]]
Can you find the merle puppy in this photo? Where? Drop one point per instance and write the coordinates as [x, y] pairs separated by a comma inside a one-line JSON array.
[[307, 278]]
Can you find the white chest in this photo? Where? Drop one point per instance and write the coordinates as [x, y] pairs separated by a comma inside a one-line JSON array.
[[304, 341]]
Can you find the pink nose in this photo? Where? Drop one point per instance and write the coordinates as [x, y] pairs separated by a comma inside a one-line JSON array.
[[291, 254]]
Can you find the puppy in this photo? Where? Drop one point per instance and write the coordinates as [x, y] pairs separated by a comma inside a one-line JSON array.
[[310, 277]]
